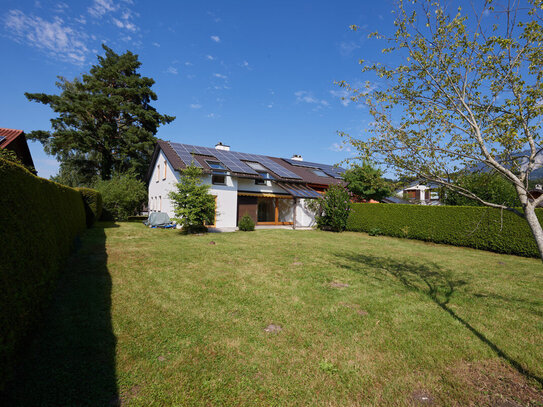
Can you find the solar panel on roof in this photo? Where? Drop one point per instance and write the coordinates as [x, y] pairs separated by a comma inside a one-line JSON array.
[[2, 138], [231, 159], [328, 169], [184, 153]]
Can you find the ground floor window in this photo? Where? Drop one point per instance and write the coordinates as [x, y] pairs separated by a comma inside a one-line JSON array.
[[274, 211]]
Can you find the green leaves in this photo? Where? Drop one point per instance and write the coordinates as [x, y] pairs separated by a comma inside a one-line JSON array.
[[366, 182], [467, 89], [104, 118], [194, 205]]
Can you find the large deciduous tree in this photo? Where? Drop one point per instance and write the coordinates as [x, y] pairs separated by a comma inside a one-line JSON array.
[[465, 93], [105, 122]]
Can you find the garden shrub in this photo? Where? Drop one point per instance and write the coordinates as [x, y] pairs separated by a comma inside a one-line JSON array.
[[477, 227], [194, 206], [122, 196], [246, 224], [332, 209], [39, 223], [93, 204]]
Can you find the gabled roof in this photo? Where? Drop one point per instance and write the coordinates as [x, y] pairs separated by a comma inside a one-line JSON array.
[[8, 135], [282, 169], [15, 140]]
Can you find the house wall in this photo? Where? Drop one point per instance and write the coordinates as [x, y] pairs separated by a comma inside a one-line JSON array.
[[304, 218], [227, 195], [246, 184], [160, 188], [227, 201]]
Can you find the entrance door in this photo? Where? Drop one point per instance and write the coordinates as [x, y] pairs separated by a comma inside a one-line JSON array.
[[247, 206]]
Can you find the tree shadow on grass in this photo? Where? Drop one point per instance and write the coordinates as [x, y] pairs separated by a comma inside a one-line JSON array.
[[70, 359], [429, 279]]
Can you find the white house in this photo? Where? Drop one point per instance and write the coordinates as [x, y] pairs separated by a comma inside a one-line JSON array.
[[270, 190], [417, 192]]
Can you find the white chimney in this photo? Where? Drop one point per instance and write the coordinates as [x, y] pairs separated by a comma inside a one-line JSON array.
[[297, 157], [221, 146]]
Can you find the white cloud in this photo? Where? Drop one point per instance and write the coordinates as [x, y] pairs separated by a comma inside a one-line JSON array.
[[124, 24], [195, 106], [215, 38], [212, 115], [307, 97], [270, 106], [347, 48], [55, 37], [172, 70], [210, 57], [156, 44], [218, 75], [101, 7], [343, 95], [336, 147], [188, 63]]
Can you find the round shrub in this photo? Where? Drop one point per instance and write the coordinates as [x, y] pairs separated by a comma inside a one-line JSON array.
[[246, 224]]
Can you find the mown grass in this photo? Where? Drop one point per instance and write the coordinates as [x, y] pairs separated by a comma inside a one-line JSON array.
[[151, 317]]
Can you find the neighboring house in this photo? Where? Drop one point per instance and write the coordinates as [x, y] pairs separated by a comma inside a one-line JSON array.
[[418, 192], [535, 193], [271, 190], [15, 140]]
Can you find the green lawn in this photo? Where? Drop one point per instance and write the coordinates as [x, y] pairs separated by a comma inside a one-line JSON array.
[[151, 317]]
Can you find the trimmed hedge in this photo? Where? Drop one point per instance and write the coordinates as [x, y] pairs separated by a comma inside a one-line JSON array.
[[39, 222], [93, 204], [470, 226]]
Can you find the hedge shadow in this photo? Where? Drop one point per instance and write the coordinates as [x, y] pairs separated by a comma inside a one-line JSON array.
[[71, 359]]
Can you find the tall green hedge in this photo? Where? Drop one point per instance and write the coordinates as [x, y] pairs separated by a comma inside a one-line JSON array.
[[93, 204], [478, 227], [39, 221]]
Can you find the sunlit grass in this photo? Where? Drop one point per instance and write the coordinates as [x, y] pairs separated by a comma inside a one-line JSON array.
[[363, 320]]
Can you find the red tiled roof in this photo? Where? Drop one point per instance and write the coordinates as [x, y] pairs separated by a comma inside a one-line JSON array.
[[10, 135]]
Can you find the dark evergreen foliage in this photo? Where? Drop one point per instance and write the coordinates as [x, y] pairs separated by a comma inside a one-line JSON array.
[[105, 123], [38, 226]]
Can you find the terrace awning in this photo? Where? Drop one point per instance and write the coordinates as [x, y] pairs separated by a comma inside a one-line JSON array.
[[299, 190]]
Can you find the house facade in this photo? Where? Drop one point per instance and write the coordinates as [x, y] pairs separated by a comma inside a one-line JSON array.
[[417, 192], [271, 190]]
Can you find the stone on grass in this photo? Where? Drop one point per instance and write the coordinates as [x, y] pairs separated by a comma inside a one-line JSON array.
[[273, 329]]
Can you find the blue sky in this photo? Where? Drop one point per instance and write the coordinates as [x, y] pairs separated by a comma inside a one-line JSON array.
[[256, 75]]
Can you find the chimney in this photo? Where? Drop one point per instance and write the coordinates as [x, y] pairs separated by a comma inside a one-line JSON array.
[[297, 157], [221, 146]]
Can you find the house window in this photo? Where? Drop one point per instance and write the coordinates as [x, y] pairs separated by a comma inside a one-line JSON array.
[[318, 172], [434, 195], [262, 171], [165, 169], [265, 176], [157, 172], [218, 174]]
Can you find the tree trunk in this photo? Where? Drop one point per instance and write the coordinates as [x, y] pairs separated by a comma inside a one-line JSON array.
[[107, 164], [535, 226]]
